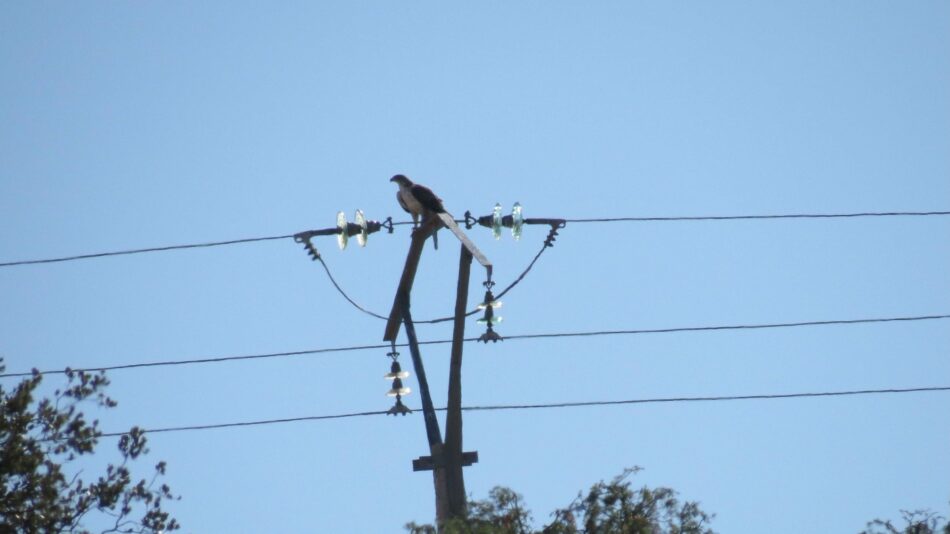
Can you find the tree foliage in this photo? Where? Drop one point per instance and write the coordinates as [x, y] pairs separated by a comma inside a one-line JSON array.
[[915, 522], [608, 508], [42, 491]]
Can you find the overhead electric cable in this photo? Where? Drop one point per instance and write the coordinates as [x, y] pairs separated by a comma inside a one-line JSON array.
[[706, 399], [727, 327], [345, 295], [499, 407], [211, 360], [582, 220], [249, 423], [151, 249], [470, 339], [754, 217], [371, 313]]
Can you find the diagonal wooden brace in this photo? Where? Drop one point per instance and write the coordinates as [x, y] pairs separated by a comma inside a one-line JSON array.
[[419, 237]]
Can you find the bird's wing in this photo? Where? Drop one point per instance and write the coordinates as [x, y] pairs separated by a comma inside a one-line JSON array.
[[427, 198]]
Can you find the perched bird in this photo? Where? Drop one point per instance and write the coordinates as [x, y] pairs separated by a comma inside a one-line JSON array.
[[419, 201]]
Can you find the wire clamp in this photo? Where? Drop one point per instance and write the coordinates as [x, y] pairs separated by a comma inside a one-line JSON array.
[[304, 238], [552, 235], [470, 221]]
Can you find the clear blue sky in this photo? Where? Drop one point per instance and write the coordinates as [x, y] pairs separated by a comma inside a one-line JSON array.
[[130, 124]]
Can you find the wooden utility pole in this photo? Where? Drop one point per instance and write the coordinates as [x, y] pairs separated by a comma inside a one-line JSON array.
[[442, 510], [445, 460], [455, 483]]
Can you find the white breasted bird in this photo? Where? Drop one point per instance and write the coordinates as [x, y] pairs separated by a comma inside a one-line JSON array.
[[419, 201]]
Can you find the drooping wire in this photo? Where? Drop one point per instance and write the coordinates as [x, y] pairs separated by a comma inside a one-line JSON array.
[[473, 339], [548, 243], [559, 405], [347, 297]]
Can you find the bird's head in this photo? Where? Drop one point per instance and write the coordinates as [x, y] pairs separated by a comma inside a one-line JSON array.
[[401, 180]]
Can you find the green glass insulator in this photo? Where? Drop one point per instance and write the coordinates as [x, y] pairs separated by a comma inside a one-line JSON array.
[[364, 232], [517, 221], [342, 237], [496, 221]]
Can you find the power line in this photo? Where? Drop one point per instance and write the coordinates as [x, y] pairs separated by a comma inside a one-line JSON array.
[[587, 220], [729, 327], [745, 217], [709, 399], [548, 243], [217, 359], [471, 339], [143, 250], [559, 405], [249, 423], [755, 217], [344, 294]]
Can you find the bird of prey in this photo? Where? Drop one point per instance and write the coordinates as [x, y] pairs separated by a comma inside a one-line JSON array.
[[419, 201]]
